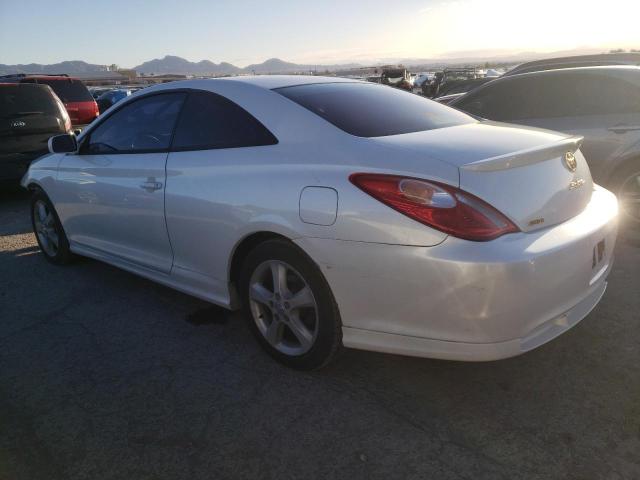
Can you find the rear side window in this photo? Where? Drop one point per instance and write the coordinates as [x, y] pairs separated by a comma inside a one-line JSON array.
[[144, 125], [369, 110], [209, 121], [68, 90], [555, 95], [503, 100], [22, 100]]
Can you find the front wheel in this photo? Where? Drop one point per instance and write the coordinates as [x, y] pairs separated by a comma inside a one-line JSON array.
[[289, 306], [48, 230]]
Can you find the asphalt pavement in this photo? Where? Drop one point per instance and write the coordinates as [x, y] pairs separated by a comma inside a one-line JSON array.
[[104, 375]]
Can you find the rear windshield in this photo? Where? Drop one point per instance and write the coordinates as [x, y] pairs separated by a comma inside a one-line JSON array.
[[18, 100], [68, 90], [370, 110]]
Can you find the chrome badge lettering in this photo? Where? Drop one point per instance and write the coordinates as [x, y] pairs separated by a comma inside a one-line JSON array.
[[576, 184]]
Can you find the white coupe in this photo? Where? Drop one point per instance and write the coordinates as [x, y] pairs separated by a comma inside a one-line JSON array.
[[336, 213]]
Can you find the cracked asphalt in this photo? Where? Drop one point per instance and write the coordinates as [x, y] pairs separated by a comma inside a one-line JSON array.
[[103, 377]]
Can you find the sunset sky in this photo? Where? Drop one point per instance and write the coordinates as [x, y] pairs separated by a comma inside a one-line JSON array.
[[128, 32]]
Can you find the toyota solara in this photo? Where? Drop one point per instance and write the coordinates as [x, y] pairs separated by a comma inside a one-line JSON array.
[[336, 213]]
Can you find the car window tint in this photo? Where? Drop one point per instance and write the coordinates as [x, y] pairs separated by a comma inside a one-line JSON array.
[[142, 125], [369, 110], [68, 90], [210, 121], [19, 100], [503, 100], [555, 95]]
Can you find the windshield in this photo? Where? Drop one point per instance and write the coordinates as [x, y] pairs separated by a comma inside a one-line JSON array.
[[68, 90], [19, 100], [370, 110]]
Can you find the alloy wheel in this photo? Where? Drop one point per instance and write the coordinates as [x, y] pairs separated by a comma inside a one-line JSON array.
[[283, 307], [45, 227]]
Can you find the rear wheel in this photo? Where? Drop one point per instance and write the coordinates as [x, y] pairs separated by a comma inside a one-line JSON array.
[[289, 306], [48, 230]]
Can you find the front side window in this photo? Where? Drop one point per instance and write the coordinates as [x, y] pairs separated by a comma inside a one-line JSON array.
[[369, 110], [144, 125], [209, 121]]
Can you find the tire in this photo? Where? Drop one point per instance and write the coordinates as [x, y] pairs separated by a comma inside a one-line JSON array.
[[627, 183], [48, 230], [298, 322]]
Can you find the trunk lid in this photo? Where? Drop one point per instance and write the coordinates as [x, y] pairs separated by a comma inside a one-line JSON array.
[[527, 174]]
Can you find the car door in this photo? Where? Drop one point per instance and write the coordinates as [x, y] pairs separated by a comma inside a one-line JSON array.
[[218, 149], [111, 193]]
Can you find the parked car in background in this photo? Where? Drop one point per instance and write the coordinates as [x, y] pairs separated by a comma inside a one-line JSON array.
[[600, 103], [110, 98], [336, 212], [604, 59], [421, 78], [396, 77], [29, 116], [75, 96], [97, 91]]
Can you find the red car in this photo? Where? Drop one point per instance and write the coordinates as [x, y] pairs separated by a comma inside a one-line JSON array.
[[80, 105]]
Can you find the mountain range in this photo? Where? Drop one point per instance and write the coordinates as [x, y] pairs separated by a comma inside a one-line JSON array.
[[172, 64]]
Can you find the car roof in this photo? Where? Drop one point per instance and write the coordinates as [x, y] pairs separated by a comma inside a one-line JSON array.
[[280, 81], [603, 59], [604, 68], [24, 85]]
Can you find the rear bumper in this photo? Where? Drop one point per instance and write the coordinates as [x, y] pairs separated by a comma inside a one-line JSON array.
[[476, 352], [466, 300], [13, 166]]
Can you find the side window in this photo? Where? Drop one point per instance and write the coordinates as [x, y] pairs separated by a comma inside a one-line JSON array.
[[618, 94], [565, 94], [502, 100], [144, 125], [209, 121]]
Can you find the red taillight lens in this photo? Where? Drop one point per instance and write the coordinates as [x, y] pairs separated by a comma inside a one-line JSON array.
[[437, 205], [96, 110]]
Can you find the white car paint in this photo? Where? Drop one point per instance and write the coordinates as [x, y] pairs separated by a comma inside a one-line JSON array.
[[400, 286]]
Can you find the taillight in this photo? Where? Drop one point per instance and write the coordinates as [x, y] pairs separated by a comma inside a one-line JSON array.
[[437, 205], [96, 111]]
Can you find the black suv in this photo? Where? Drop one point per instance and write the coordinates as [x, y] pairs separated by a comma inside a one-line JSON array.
[[29, 115]]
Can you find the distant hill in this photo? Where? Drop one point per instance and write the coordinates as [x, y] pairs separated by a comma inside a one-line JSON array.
[[178, 65], [74, 66], [172, 64]]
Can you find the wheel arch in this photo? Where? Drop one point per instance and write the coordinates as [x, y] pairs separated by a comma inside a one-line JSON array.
[[240, 252]]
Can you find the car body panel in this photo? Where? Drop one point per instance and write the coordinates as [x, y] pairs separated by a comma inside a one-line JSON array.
[[460, 291], [103, 204], [390, 275]]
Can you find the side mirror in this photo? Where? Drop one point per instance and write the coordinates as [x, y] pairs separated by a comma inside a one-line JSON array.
[[63, 144]]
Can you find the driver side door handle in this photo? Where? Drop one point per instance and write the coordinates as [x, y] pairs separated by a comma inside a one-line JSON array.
[[151, 186]]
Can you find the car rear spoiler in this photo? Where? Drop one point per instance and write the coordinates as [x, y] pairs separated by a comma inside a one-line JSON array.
[[527, 156]]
